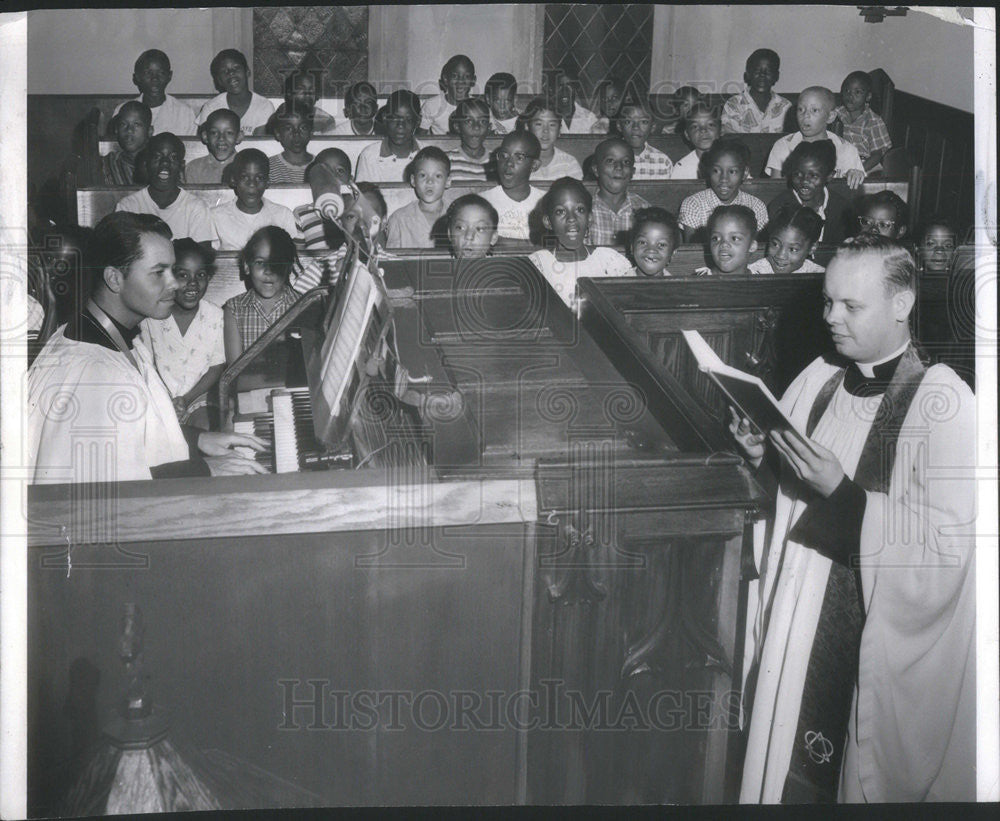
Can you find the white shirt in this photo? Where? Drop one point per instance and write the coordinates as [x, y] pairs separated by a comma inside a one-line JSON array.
[[562, 164], [120, 423], [373, 167], [847, 155], [434, 114], [233, 227], [686, 168], [187, 215], [562, 276], [257, 114], [172, 116], [344, 128], [513, 222], [182, 359], [583, 121]]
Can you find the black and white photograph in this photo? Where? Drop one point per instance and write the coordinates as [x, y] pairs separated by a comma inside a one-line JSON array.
[[497, 405]]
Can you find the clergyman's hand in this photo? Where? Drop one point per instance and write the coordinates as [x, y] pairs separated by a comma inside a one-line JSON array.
[[752, 444], [818, 467]]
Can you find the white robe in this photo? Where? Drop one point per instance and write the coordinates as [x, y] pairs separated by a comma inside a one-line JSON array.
[[911, 733], [92, 417]]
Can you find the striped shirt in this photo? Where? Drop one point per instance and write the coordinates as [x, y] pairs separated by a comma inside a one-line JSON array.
[[119, 168], [652, 164], [250, 317], [464, 167], [283, 172]]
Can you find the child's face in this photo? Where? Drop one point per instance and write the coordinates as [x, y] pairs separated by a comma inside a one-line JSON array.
[[267, 278], [400, 125], [360, 212], [611, 100], [192, 280], [458, 82], [364, 106], [854, 95], [814, 113], [164, 164], [702, 131], [652, 248], [472, 233], [615, 167], [731, 244], [880, 219], [231, 76], [761, 76], [636, 125], [501, 100], [565, 96], [132, 132], [787, 249], [304, 89], [808, 180], [339, 164], [429, 180], [568, 218], [937, 249], [250, 183], [515, 161], [294, 133], [152, 78], [545, 125], [222, 136], [473, 128], [725, 177]]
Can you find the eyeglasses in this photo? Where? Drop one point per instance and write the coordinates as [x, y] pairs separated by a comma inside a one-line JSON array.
[[392, 119], [517, 156], [882, 225]]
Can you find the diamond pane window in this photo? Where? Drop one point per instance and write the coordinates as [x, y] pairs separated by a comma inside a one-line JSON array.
[[597, 41], [330, 42]]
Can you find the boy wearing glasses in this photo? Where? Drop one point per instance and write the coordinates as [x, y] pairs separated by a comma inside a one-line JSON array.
[[515, 197]]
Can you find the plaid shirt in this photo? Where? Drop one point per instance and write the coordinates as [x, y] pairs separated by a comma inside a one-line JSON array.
[[867, 133], [609, 227], [740, 115], [250, 317], [651, 164], [696, 209]]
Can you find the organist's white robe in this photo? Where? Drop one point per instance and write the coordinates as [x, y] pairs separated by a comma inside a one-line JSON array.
[[911, 734], [92, 417]]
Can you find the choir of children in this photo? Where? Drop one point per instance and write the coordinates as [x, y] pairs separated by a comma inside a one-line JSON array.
[[579, 229]]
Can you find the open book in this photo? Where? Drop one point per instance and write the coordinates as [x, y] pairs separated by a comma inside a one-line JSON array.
[[746, 393]]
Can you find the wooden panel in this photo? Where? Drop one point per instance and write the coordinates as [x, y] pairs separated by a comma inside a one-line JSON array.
[[227, 621], [941, 140]]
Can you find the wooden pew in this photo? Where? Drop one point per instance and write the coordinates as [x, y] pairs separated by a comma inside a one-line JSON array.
[[94, 202]]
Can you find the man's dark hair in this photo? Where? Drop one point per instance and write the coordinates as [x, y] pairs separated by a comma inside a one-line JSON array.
[[227, 54], [117, 241]]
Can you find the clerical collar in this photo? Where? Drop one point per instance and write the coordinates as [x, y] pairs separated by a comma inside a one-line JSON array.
[[872, 378], [89, 329]]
